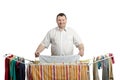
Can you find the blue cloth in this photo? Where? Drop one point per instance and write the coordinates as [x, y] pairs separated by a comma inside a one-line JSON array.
[[20, 71], [98, 63]]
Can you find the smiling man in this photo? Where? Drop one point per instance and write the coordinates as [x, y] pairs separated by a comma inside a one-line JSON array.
[[62, 39]]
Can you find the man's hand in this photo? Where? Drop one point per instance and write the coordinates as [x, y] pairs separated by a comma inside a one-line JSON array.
[[81, 50], [36, 54], [81, 53]]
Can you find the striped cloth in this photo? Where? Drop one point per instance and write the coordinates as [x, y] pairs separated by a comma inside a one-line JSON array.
[[58, 72]]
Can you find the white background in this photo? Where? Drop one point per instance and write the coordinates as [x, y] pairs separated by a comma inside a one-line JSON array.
[[24, 23]]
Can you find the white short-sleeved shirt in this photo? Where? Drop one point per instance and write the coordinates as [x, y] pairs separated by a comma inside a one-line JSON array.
[[61, 41]]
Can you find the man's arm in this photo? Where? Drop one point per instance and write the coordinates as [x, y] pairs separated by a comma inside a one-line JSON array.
[[40, 48], [81, 49]]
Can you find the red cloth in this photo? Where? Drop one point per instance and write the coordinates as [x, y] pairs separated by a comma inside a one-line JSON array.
[[112, 57], [7, 67]]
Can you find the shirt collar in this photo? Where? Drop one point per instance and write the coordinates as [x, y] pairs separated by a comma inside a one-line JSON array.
[[64, 29]]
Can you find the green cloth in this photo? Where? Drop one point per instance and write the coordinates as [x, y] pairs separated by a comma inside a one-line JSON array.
[[12, 69]]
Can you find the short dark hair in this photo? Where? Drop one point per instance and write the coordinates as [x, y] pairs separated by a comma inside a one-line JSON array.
[[61, 14]]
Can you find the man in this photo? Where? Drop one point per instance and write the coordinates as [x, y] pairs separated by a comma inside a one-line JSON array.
[[61, 39]]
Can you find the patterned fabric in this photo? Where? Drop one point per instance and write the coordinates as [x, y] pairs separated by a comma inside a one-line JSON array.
[[58, 72], [84, 72]]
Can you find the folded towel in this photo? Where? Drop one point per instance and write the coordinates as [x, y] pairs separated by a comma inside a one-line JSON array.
[[59, 59]]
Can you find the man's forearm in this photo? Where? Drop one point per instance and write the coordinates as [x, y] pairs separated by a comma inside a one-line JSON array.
[[40, 48]]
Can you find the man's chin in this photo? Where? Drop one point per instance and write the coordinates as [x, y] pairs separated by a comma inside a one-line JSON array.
[[62, 27]]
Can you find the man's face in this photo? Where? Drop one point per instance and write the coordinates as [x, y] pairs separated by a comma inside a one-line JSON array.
[[61, 21]]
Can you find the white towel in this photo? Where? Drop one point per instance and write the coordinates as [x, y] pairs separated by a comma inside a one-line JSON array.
[[59, 59]]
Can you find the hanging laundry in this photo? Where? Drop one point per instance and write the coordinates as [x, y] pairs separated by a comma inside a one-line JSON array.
[[58, 72], [105, 69], [77, 70], [7, 67], [14, 68], [110, 70], [20, 70], [104, 62], [95, 70]]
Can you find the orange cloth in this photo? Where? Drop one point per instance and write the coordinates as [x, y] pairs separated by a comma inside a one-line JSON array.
[[76, 71]]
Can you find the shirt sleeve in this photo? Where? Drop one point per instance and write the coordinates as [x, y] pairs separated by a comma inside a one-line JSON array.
[[46, 40], [76, 39]]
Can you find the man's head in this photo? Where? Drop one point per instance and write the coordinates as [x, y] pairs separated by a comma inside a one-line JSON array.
[[61, 20]]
